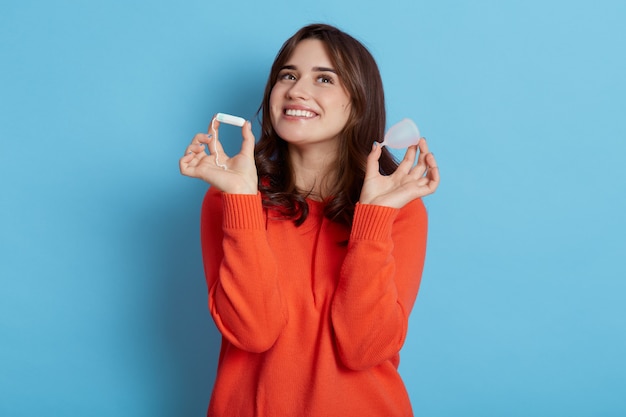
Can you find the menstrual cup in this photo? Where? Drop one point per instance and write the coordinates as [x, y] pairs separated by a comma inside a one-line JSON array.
[[402, 135]]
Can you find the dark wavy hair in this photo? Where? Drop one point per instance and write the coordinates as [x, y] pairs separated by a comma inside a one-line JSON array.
[[358, 72]]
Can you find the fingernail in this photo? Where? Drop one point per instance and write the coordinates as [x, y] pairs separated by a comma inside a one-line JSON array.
[[375, 144], [209, 136]]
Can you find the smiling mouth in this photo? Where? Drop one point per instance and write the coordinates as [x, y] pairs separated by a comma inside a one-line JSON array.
[[299, 113]]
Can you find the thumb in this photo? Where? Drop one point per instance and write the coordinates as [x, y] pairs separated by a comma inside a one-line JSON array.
[[372, 167], [247, 146]]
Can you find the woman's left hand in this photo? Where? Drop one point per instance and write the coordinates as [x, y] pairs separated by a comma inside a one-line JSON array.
[[408, 182]]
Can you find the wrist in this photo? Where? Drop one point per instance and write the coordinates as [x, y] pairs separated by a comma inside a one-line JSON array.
[[243, 189]]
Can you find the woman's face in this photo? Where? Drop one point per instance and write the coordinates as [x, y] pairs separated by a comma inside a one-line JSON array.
[[309, 104]]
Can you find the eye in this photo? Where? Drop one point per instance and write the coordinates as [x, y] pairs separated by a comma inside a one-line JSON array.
[[325, 79], [289, 76]]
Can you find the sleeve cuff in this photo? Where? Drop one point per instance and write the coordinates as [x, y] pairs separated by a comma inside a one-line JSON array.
[[372, 222], [243, 211]]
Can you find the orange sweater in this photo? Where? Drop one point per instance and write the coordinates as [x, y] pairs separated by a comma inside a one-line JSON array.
[[310, 327]]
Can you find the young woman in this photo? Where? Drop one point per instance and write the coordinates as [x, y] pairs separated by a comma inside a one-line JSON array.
[[313, 240]]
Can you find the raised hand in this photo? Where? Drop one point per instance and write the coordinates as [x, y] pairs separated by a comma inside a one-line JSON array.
[[408, 182], [205, 159]]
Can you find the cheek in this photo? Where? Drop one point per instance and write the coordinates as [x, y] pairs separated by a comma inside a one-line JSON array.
[[277, 93], [346, 104], [272, 98]]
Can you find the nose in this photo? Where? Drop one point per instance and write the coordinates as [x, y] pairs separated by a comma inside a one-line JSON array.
[[299, 90]]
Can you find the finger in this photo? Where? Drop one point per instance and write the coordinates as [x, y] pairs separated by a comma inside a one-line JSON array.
[[407, 162], [423, 145], [434, 183], [214, 126], [433, 168], [188, 157], [425, 186], [431, 161], [433, 173], [372, 167], [194, 148], [214, 146], [191, 159], [200, 138], [423, 151], [183, 163], [247, 146], [421, 166]]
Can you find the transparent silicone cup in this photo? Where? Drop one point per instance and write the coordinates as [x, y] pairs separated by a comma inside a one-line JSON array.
[[402, 135]]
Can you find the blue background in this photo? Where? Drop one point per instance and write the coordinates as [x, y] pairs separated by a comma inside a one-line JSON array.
[[102, 301]]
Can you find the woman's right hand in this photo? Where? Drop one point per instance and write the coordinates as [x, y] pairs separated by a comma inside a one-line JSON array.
[[205, 159]]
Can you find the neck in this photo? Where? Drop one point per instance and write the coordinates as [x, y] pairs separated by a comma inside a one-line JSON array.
[[314, 170]]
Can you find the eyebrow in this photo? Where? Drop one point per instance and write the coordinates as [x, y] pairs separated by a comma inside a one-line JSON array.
[[315, 69]]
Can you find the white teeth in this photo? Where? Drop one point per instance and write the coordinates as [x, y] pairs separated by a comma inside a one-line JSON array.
[[299, 113]]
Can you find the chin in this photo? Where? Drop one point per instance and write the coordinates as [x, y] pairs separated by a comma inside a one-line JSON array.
[[292, 135]]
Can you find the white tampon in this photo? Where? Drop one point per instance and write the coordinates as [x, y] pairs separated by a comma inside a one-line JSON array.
[[230, 119]]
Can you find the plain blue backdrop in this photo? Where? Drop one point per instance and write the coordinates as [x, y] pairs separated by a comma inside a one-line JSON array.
[[103, 308]]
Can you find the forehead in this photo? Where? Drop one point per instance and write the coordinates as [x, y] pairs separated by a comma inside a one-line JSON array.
[[309, 53]]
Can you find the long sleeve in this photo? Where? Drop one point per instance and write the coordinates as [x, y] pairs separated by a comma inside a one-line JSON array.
[[378, 283], [245, 299]]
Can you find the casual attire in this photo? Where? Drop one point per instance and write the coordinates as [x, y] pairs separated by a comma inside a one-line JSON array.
[[311, 325]]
